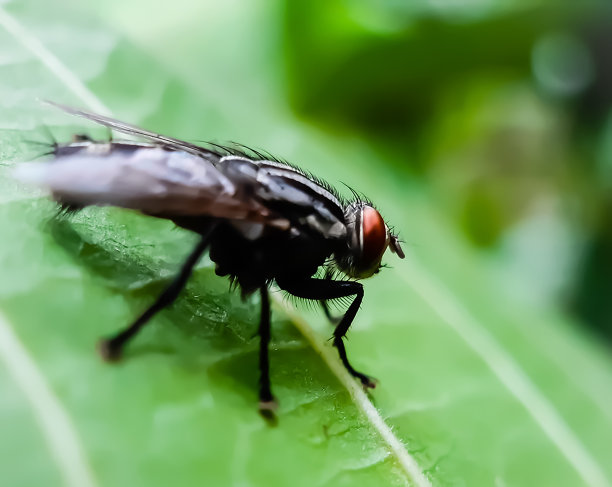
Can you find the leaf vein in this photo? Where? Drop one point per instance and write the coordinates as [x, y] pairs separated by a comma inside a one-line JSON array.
[[505, 368], [59, 432]]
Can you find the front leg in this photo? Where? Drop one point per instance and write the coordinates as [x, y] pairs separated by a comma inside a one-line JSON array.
[[323, 289]]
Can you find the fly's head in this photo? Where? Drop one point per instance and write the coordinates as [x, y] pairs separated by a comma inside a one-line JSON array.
[[368, 236]]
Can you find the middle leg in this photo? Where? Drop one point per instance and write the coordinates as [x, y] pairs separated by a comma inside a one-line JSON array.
[[267, 403]]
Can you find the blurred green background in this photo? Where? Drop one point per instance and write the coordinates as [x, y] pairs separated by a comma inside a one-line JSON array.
[[504, 109], [482, 129]]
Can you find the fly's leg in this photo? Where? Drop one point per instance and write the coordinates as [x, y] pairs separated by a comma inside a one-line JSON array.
[[340, 333], [267, 403], [323, 289], [112, 348], [334, 320]]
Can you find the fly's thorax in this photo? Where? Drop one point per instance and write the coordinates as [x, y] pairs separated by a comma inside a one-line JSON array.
[[368, 237]]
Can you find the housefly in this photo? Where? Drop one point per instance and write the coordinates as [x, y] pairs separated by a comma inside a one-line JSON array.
[[262, 221]]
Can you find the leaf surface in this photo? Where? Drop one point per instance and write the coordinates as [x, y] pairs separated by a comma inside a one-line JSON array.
[[478, 388]]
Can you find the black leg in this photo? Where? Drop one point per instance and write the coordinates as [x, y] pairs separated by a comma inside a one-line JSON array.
[[334, 320], [322, 289], [111, 348], [267, 404]]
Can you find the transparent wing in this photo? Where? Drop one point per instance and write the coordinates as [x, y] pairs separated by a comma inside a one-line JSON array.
[[150, 179], [129, 129], [169, 177]]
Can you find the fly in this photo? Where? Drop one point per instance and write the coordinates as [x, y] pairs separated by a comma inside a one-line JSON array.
[[262, 221]]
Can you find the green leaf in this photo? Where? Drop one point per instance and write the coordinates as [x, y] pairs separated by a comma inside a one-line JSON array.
[[476, 387]]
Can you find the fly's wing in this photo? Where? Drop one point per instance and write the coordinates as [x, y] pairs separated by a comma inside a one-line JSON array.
[[153, 180], [170, 178], [125, 128]]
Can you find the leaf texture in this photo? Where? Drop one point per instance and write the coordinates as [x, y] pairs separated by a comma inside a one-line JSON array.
[[476, 387]]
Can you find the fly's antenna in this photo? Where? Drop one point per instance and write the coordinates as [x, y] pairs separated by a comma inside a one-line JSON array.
[[395, 246]]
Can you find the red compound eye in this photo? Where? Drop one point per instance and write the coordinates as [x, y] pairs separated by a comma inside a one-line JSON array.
[[374, 236]]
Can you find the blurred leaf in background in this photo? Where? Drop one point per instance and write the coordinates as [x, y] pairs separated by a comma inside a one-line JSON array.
[[502, 107], [458, 121]]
